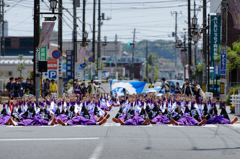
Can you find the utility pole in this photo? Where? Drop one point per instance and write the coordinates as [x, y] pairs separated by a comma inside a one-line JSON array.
[[224, 42], [132, 72], [74, 40], [176, 44], [3, 38], [147, 62], [99, 42], [208, 48], [60, 86], [36, 24], [94, 31], [83, 23], [151, 69], [116, 56], [195, 42], [184, 69], [204, 56], [189, 42]]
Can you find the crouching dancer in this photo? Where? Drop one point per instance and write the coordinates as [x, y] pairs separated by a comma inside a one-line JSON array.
[[29, 117], [5, 114], [82, 118]]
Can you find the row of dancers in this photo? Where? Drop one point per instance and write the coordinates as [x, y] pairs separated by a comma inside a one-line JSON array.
[[174, 109]]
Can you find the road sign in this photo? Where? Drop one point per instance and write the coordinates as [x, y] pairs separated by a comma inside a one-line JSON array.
[[43, 54], [50, 18], [90, 53], [69, 64], [52, 64], [56, 54], [52, 74], [216, 70], [90, 59], [93, 69], [223, 60], [60, 66], [83, 65], [193, 68]]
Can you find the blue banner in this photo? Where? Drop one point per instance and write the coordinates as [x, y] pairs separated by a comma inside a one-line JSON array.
[[216, 70], [223, 60], [132, 87], [69, 62]]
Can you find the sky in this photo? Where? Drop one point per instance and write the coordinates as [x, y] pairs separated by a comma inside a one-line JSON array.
[[151, 18]]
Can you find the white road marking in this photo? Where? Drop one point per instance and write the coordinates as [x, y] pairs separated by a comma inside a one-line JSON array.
[[209, 126], [11, 126], [235, 125], [49, 139], [175, 126], [112, 124], [78, 126], [145, 126], [97, 152]]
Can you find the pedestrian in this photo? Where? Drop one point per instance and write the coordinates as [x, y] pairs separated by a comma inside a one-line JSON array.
[[165, 85], [178, 89], [84, 89], [22, 86], [28, 84], [151, 85], [17, 88], [46, 87], [31, 85], [53, 87], [188, 90], [10, 88]]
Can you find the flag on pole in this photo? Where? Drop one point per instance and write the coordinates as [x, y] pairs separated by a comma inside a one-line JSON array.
[[47, 28]]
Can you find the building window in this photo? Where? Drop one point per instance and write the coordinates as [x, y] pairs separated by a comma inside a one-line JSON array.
[[26, 42], [2, 73], [7, 42], [7, 73]]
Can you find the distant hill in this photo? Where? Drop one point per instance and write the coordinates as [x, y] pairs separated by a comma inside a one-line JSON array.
[[163, 48]]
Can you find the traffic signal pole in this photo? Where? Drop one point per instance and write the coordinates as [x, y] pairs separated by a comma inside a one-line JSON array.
[[132, 72]]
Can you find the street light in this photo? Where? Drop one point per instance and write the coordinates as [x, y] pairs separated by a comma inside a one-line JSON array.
[[194, 20], [85, 35], [179, 42], [105, 42], [105, 39], [53, 5]]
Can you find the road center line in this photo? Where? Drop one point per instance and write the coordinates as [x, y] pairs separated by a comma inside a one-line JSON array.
[[97, 151], [49, 139]]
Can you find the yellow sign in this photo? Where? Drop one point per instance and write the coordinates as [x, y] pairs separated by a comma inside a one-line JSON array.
[[233, 91], [223, 48], [221, 88], [204, 88]]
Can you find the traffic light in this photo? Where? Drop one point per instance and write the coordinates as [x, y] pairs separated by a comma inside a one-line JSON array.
[[163, 63], [110, 61], [128, 44], [149, 74], [199, 63]]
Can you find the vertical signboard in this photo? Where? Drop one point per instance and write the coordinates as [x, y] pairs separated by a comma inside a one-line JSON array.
[[216, 70], [223, 60], [43, 53], [215, 36], [69, 62]]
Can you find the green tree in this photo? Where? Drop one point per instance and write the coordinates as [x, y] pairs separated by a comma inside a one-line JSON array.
[[20, 66], [31, 74]]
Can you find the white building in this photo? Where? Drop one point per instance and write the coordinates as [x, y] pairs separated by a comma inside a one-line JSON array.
[[8, 67]]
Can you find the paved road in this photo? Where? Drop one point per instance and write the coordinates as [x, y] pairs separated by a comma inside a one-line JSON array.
[[111, 141]]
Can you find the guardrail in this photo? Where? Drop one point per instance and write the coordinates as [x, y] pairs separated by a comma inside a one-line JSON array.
[[235, 99]]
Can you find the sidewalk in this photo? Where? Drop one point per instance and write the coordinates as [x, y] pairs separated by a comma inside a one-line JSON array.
[[231, 116]]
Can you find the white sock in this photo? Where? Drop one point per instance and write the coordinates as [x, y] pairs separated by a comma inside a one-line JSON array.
[[50, 122]]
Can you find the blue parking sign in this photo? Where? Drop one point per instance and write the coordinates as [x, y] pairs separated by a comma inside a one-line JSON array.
[[52, 74], [223, 59]]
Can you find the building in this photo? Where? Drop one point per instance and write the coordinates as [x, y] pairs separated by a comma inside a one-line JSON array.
[[18, 45], [9, 66]]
